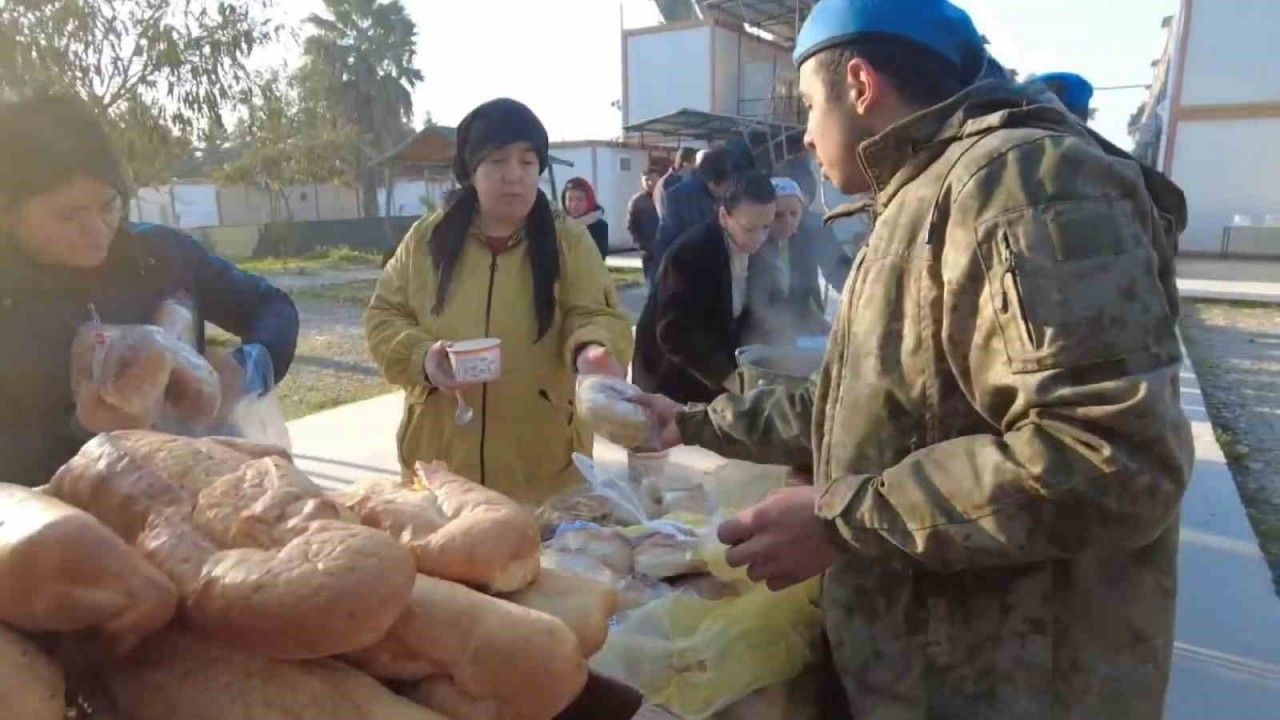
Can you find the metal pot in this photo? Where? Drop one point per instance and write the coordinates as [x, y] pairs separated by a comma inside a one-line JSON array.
[[786, 365]]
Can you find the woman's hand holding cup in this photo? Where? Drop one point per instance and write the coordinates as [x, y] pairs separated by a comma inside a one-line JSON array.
[[439, 368]]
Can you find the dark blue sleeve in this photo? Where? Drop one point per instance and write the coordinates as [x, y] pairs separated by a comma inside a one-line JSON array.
[[673, 222], [243, 304]]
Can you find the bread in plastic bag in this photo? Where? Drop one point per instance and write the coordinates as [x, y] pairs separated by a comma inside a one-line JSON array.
[[696, 657], [177, 319], [663, 555], [119, 374], [193, 394], [133, 377], [608, 546], [604, 403]]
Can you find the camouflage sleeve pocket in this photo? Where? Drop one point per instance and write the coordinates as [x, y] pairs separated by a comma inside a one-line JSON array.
[[1072, 284]]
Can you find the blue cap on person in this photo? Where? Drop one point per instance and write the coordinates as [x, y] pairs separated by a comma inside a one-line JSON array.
[[1073, 90], [935, 24]]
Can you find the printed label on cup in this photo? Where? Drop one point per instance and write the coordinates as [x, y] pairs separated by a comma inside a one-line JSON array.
[[476, 361]]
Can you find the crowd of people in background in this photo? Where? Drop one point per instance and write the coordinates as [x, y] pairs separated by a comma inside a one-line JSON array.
[[732, 257]]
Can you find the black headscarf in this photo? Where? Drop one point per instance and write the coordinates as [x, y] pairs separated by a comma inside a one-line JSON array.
[[493, 125]]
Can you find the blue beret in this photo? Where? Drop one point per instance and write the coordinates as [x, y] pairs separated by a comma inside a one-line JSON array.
[[935, 24], [1074, 91]]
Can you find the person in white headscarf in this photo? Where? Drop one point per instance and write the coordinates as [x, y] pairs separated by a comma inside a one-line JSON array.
[[783, 288]]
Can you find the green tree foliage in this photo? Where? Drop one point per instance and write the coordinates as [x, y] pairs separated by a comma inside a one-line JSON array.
[[289, 136], [363, 54], [162, 70]]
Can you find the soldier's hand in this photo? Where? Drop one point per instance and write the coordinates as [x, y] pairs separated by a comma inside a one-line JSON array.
[[781, 541], [663, 411]]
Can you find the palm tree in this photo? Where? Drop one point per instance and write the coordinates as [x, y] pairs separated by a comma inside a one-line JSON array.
[[365, 52]]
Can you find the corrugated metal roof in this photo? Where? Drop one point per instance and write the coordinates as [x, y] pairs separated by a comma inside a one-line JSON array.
[[779, 18]]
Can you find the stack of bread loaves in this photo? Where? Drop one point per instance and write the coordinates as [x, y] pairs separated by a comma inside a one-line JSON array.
[[213, 580]]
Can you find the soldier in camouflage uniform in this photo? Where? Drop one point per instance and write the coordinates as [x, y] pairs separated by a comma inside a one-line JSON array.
[[996, 439]]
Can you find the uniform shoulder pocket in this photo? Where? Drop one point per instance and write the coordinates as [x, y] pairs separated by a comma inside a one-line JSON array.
[[1074, 283]]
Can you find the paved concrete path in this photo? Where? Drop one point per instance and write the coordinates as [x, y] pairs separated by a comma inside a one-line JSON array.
[[1221, 279], [1227, 657], [292, 282]]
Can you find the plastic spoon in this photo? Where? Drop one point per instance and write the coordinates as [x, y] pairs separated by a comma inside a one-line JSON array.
[[464, 413]]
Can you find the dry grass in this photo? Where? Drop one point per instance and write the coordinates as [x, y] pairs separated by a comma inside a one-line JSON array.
[[342, 258]]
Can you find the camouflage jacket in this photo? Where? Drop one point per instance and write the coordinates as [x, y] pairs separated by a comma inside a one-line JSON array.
[[996, 432]]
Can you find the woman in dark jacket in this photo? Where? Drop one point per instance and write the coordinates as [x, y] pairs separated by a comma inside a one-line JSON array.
[[579, 202], [692, 324], [65, 245]]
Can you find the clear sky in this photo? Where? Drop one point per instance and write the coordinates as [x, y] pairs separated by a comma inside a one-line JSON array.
[[563, 57]]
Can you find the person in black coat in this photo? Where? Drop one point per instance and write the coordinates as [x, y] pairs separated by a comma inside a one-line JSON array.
[[693, 321], [64, 246], [693, 202], [579, 202], [642, 223]]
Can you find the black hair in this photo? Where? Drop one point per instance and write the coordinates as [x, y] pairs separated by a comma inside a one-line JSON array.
[[717, 165], [48, 140], [686, 155], [751, 186], [744, 158], [450, 236], [921, 75]]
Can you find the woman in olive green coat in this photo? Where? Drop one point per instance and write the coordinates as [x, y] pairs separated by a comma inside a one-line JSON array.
[[498, 262]]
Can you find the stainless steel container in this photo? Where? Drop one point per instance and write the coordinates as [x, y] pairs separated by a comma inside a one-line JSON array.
[[786, 365]]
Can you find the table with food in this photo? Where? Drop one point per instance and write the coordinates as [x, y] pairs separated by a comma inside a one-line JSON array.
[[166, 572]]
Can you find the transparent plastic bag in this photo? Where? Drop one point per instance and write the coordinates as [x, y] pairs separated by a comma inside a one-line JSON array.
[[258, 419], [118, 376], [604, 404], [244, 414], [697, 657]]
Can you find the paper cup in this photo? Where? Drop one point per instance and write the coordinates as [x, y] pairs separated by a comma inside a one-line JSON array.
[[476, 361]]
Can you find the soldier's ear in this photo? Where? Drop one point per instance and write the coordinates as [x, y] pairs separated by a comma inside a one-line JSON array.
[[863, 85]]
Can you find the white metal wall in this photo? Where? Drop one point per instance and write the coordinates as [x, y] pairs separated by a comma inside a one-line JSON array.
[[1233, 53], [746, 69], [667, 71], [408, 197], [614, 180], [1226, 167], [195, 205]]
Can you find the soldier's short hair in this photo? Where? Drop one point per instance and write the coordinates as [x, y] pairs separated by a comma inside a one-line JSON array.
[[922, 76]]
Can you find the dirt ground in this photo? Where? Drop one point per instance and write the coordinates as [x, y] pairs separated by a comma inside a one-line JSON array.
[[332, 366], [1236, 351]]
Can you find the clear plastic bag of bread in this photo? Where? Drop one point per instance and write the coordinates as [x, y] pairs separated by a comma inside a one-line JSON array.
[[133, 377], [606, 405], [246, 415], [193, 396]]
